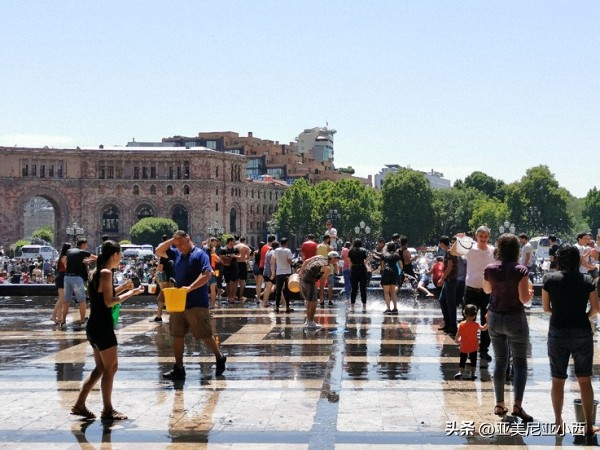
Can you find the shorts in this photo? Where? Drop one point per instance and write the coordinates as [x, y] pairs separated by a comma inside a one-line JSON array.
[[562, 343], [212, 280], [267, 279], [331, 280], [389, 278], [196, 320], [256, 270], [230, 273], [242, 268], [102, 340], [74, 287], [59, 281], [309, 291]]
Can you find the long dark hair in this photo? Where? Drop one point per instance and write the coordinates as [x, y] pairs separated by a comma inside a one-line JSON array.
[[508, 248], [63, 251], [108, 249], [567, 258]]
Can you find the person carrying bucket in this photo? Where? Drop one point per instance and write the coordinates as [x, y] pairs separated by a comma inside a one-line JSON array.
[[192, 273]]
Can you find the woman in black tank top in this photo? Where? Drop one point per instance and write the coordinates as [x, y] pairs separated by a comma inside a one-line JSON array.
[[100, 332]]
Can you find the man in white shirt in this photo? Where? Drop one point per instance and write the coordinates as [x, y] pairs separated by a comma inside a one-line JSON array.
[[585, 252], [282, 262], [478, 257], [332, 233], [526, 258]]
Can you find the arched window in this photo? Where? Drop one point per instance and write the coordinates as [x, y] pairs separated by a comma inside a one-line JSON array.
[[136, 189], [169, 190], [180, 217], [186, 190], [110, 219], [153, 190], [144, 211], [233, 220]]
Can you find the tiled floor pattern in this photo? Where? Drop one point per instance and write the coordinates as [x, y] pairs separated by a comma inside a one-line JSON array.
[[364, 381]]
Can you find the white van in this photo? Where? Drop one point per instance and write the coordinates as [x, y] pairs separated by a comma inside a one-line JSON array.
[[35, 251], [137, 251], [541, 246]]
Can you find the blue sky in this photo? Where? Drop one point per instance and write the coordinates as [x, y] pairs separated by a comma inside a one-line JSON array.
[[452, 86]]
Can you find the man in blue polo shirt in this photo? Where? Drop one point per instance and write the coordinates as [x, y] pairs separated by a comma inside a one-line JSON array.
[[192, 272]]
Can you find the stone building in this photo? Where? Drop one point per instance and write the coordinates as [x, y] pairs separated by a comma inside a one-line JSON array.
[[107, 190]]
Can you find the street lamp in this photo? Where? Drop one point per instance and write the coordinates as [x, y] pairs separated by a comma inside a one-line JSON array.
[[534, 218], [333, 215], [215, 231], [74, 231], [507, 226], [363, 230]]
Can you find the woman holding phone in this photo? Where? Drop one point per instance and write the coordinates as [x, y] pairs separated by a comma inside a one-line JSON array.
[[100, 332]]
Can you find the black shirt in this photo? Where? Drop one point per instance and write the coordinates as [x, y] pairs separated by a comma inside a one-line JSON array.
[[75, 264], [569, 294], [357, 257]]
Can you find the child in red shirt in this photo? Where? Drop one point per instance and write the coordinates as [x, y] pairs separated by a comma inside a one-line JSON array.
[[467, 338]]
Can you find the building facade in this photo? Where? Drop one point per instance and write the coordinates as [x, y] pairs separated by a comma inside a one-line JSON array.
[[436, 179], [107, 190]]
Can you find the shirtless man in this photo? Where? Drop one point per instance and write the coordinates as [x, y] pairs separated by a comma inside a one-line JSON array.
[[242, 261]]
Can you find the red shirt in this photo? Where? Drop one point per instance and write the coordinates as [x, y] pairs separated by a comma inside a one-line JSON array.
[[437, 272], [468, 336], [308, 249], [263, 255]]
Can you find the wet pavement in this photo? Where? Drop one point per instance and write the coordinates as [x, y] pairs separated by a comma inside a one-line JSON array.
[[364, 380]]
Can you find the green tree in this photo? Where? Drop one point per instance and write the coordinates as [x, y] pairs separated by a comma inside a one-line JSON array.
[[484, 183], [150, 230], [45, 233], [490, 212], [295, 215], [354, 201], [544, 203], [407, 205], [591, 209], [453, 209]]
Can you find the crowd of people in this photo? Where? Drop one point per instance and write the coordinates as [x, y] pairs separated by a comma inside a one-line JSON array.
[[489, 284]]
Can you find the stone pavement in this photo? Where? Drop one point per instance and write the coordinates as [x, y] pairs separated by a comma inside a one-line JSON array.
[[364, 380]]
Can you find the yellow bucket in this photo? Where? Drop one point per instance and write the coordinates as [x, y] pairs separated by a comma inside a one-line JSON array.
[[294, 283], [175, 299]]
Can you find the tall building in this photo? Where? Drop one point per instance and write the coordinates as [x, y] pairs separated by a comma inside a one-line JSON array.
[[317, 141], [436, 179], [310, 157]]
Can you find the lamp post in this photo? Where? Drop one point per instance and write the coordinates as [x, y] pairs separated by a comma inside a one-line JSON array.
[[507, 226], [74, 231], [363, 230], [534, 219], [215, 231], [333, 215]]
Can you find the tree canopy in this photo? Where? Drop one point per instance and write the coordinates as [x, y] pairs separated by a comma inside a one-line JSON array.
[[150, 230]]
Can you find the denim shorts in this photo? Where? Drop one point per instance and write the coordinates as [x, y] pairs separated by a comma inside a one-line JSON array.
[[562, 343]]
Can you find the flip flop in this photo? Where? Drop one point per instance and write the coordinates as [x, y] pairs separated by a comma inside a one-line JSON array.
[[83, 412], [500, 410], [113, 414]]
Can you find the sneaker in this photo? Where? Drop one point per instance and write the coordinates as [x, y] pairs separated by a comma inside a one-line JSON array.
[[176, 373], [156, 319], [458, 376], [289, 310], [387, 312], [221, 365], [331, 305], [473, 377], [312, 326], [395, 311], [485, 356]]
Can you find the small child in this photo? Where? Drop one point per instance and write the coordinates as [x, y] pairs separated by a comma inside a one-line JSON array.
[[469, 343]]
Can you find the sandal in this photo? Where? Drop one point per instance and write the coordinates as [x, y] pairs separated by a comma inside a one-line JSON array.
[[521, 414], [113, 414], [83, 412], [500, 410]]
